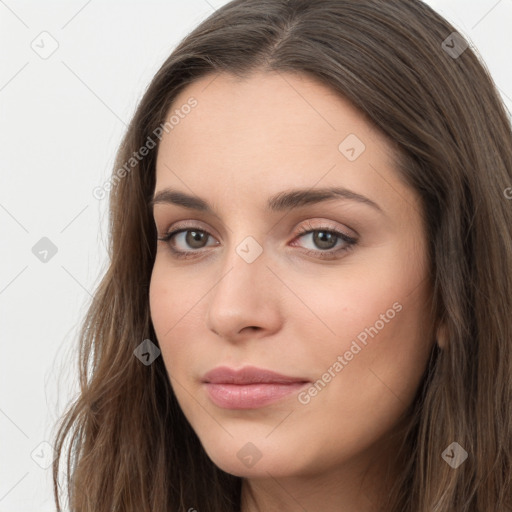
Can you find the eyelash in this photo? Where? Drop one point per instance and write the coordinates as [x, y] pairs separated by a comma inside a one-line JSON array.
[[327, 254]]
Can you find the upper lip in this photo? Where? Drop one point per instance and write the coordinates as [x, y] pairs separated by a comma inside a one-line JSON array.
[[247, 375]]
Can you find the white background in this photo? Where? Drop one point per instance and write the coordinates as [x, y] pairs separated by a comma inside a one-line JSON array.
[[61, 121]]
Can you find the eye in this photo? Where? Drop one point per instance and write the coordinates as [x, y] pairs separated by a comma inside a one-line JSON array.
[[324, 238], [191, 237]]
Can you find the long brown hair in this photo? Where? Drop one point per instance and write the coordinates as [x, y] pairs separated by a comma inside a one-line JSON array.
[[129, 446]]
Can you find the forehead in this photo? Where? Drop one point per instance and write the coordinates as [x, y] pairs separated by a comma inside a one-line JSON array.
[[266, 107], [269, 132]]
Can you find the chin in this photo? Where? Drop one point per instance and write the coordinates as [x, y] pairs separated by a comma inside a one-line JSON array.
[[260, 458]]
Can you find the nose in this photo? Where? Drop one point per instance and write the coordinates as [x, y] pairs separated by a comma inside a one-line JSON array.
[[245, 301]]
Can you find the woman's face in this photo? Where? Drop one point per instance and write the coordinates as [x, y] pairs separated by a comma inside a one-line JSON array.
[[342, 317]]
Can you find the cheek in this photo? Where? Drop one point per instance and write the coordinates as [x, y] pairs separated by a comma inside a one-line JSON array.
[[383, 364], [367, 377], [172, 297], [177, 313], [162, 303], [369, 364], [168, 306]]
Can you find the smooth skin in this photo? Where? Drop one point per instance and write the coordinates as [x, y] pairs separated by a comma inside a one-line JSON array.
[[289, 311]]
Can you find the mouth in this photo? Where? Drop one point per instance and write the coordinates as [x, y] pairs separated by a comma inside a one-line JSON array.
[[249, 387]]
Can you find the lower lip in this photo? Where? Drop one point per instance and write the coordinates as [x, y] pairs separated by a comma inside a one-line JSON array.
[[250, 396]]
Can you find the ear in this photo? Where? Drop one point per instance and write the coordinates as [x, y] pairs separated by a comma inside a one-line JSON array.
[[441, 336]]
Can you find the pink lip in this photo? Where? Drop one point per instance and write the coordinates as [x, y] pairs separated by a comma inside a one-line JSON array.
[[249, 387]]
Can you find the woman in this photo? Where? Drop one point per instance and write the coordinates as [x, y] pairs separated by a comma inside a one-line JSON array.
[[309, 293]]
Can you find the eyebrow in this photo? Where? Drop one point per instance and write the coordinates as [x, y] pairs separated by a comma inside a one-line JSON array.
[[282, 201]]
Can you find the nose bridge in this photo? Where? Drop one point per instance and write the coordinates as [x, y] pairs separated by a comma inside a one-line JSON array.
[[241, 297], [244, 271], [244, 256]]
